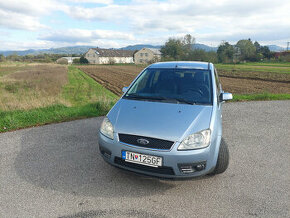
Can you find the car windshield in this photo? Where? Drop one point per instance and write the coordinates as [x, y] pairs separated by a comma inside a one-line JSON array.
[[186, 86]]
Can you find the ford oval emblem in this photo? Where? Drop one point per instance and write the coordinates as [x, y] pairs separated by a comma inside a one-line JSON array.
[[143, 141]]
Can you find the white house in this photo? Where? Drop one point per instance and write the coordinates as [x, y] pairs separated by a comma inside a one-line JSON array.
[[147, 55], [109, 56]]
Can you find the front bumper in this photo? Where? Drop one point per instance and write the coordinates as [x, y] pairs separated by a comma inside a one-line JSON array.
[[173, 159]]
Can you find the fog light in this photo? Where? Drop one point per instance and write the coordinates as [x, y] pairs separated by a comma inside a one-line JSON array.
[[200, 167], [192, 167], [186, 169], [105, 152]]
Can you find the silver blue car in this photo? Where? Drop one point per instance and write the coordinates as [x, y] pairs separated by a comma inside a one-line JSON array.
[[168, 123]]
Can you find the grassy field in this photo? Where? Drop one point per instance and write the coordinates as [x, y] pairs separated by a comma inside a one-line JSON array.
[[38, 94]]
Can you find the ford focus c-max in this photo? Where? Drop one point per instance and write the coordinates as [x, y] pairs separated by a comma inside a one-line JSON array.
[[168, 122]]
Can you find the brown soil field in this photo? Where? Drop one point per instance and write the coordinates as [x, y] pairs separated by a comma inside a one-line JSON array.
[[253, 86], [111, 77], [116, 77], [265, 76]]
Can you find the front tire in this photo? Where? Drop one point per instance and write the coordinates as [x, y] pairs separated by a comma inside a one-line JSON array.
[[223, 159]]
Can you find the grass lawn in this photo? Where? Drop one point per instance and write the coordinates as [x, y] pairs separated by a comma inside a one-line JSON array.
[[256, 67], [260, 97], [54, 94]]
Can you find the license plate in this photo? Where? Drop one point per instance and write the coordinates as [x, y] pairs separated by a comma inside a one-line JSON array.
[[144, 159]]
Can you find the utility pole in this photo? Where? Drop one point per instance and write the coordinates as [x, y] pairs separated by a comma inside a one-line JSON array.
[[288, 45]]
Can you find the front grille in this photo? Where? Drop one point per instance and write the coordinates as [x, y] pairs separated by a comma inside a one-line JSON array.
[[159, 170], [153, 142]]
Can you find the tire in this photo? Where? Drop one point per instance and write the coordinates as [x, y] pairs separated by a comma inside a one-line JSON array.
[[223, 159]]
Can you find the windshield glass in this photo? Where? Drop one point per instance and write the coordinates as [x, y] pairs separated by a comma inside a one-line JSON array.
[[188, 86]]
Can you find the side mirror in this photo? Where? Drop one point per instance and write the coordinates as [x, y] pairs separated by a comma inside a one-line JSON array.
[[124, 89], [226, 96]]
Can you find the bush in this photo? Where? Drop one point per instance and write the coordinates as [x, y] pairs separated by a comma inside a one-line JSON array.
[[76, 61], [111, 61], [83, 60]]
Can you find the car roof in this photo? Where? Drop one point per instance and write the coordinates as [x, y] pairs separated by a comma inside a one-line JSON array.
[[182, 64]]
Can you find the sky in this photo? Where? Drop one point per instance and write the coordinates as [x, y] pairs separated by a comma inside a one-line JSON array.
[[38, 24]]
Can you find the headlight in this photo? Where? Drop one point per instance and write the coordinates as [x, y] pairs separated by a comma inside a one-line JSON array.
[[107, 128], [195, 141]]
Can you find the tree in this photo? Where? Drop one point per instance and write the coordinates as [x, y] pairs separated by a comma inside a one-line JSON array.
[[83, 60], [2, 58], [266, 52], [225, 52], [14, 57], [178, 48], [247, 48], [173, 48], [188, 41], [76, 61], [258, 46]]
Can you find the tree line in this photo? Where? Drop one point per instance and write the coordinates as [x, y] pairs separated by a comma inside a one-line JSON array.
[[244, 50], [182, 49]]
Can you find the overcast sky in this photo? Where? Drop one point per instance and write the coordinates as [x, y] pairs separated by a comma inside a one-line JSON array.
[[26, 24]]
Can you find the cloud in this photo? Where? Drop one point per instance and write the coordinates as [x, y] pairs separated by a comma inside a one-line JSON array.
[[14, 20], [149, 21], [44, 44], [106, 2], [30, 7], [26, 15], [225, 17], [23, 45], [87, 36]]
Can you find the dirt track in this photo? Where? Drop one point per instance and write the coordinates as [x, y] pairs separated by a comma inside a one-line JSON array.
[[115, 78]]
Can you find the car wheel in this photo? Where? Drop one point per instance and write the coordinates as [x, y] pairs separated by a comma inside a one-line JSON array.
[[223, 159]]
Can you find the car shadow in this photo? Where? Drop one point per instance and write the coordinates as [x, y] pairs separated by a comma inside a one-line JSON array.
[[65, 157]]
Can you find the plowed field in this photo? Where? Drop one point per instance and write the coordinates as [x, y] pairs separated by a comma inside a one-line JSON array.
[[115, 77]]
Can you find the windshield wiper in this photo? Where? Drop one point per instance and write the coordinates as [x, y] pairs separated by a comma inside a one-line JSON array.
[[136, 96], [182, 100], [178, 100]]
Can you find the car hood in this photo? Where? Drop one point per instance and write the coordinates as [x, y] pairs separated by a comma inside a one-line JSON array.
[[158, 119]]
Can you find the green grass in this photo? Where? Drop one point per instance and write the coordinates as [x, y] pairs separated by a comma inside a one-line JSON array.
[[87, 98], [283, 68], [82, 89], [261, 97], [269, 64], [57, 113]]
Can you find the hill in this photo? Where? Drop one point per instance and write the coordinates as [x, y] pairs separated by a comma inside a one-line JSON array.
[[78, 50], [63, 50], [276, 48], [138, 47]]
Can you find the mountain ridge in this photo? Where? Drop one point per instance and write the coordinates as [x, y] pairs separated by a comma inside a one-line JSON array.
[[82, 49]]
